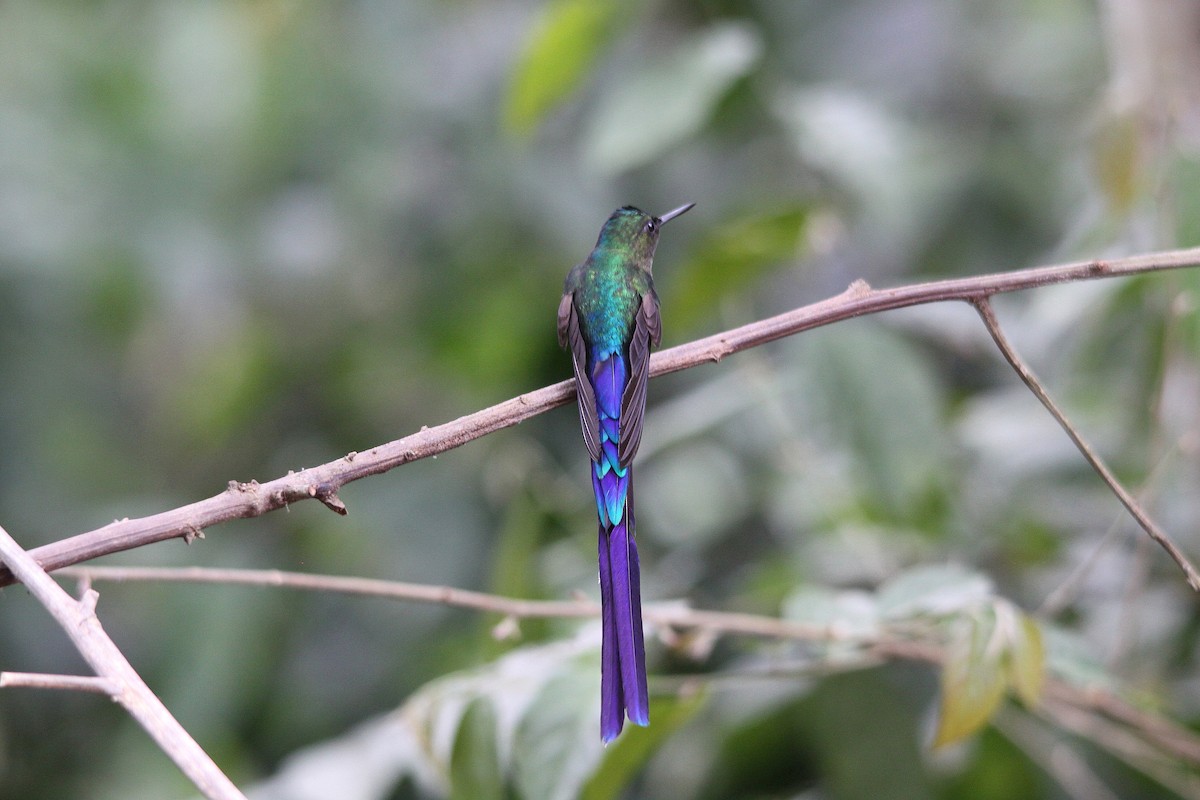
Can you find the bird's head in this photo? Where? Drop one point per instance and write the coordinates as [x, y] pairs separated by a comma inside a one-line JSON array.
[[634, 233]]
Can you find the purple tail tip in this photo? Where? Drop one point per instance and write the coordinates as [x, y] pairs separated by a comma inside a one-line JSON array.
[[623, 690]]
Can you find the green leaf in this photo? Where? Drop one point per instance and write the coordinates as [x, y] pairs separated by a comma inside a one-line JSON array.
[[629, 753], [1186, 181], [519, 689], [732, 257], [564, 44], [1069, 656], [652, 110], [557, 746], [852, 615], [932, 589], [1185, 303], [973, 680], [880, 395], [226, 387], [475, 772], [521, 533]]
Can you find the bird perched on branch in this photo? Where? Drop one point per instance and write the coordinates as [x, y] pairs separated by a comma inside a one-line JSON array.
[[608, 320]]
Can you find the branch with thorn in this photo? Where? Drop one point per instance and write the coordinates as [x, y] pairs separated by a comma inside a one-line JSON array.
[[252, 499], [117, 678]]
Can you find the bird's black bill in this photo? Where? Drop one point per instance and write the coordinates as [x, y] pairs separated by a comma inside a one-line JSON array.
[[675, 212]]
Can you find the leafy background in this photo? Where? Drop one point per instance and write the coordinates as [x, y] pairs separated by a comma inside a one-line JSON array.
[[238, 238]]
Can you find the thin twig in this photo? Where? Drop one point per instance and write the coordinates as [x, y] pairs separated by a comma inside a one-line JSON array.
[[670, 615], [984, 307], [78, 619], [342, 584], [252, 499], [1127, 744], [76, 683], [1125, 637], [1166, 734], [1066, 590], [1060, 696], [1051, 753]]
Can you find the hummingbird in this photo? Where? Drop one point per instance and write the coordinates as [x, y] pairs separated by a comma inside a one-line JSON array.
[[608, 320]]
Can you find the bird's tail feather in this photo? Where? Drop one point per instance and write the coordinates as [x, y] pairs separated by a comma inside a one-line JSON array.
[[623, 651]]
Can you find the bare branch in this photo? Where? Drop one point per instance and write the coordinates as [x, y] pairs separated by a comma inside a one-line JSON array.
[[984, 306], [252, 499], [668, 615], [1064, 704], [1167, 735], [1048, 750], [76, 683], [1131, 744], [78, 619], [340, 584]]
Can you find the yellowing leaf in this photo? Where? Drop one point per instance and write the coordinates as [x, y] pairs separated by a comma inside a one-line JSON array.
[[973, 681], [564, 44], [992, 650], [1119, 162], [1027, 661]]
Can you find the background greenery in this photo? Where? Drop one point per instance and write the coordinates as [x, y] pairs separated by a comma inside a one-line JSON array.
[[238, 238]]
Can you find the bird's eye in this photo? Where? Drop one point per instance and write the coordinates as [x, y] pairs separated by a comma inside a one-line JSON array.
[[650, 226]]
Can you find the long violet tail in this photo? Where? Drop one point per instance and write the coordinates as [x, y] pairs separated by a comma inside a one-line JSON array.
[[623, 652]]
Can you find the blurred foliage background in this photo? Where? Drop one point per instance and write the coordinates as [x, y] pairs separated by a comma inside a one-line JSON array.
[[246, 236]]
